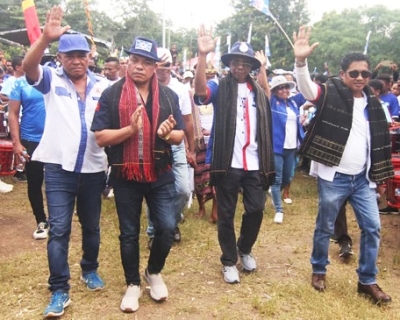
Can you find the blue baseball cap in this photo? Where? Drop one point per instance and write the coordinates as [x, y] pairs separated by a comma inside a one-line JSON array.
[[73, 42], [144, 47]]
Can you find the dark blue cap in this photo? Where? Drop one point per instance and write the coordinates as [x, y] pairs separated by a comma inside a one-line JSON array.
[[144, 47], [241, 49]]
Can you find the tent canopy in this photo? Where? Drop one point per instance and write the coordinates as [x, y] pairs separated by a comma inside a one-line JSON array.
[[20, 38]]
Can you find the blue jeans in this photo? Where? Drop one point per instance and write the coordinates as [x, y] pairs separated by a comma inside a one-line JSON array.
[[62, 189], [254, 197], [362, 198], [181, 174], [128, 199], [284, 164]]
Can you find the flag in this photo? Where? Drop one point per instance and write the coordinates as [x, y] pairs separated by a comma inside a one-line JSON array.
[[184, 59], [263, 6], [31, 20], [217, 56], [267, 50], [249, 34], [366, 44]]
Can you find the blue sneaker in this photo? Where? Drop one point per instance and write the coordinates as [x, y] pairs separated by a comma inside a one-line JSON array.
[[59, 301], [93, 281]]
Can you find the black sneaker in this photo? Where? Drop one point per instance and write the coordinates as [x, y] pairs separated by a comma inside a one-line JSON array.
[[177, 235], [389, 210], [345, 250], [20, 176]]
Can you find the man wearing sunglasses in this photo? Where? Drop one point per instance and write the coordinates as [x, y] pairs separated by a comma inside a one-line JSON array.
[[349, 144]]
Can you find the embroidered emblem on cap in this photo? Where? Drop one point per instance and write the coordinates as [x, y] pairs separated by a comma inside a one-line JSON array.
[[143, 45], [243, 47]]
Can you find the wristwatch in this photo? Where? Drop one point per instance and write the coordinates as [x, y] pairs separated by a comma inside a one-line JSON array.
[[166, 138]]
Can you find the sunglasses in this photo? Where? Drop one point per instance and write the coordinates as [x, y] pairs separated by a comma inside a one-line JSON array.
[[164, 65], [283, 86], [364, 74]]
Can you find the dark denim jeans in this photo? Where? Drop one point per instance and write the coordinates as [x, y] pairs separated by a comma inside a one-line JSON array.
[[62, 189], [160, 200], [34, 177], [254, 197]]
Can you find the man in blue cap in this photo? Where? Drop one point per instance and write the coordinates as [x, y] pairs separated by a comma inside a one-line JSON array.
[[241, 145], [139, 118], [74, 164]]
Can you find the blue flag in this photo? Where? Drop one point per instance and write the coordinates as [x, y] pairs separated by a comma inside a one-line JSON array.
[[262, 5]]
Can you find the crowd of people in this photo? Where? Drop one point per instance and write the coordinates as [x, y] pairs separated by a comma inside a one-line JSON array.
[[149, 133]]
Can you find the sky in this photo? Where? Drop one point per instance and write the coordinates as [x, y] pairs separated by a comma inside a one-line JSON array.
[[194, 12]]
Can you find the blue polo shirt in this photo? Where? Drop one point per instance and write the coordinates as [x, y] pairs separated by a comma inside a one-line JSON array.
[[33, 110]]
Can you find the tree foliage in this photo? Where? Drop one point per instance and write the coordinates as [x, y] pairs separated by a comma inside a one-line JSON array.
[[341, 33], [337, 33]]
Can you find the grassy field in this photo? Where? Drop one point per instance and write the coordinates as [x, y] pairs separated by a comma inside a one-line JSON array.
[[279, 289]]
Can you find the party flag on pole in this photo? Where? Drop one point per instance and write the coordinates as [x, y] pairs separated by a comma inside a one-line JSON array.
[[366, 44], [249, 34], [31, 20], [263, 6]]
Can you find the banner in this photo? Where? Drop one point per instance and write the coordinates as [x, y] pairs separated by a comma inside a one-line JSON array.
[[262, 5], [31, 20]]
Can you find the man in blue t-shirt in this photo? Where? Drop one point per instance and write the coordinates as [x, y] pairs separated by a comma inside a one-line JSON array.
[[26, 136], [387, 97]]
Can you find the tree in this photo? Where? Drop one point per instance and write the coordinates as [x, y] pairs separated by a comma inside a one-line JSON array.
[[341, 33], [290, 14]]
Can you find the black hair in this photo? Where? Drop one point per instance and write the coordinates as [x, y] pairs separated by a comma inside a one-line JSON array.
[[376, 84], [112, 59], [384, 77], [320, 78], [16, 61], [349, 58]]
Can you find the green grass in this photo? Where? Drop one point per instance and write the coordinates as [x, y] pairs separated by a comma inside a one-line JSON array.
[[280, 289]]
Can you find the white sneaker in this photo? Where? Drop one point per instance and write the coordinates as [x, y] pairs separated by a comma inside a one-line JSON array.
[[158, 289], [231, 274], [278, 217], [42, 231], [130, 301], [5, 187], [248, 262], [287, 200], [111, 194]]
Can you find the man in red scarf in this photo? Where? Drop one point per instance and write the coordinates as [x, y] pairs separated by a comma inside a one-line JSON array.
[[140, 119]]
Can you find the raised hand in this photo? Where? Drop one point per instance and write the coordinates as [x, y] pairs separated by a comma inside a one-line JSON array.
[[52, 29], [260, 56], [205, 42], [302, 48]]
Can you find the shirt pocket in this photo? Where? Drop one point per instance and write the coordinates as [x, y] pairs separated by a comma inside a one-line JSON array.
[[61, 91]]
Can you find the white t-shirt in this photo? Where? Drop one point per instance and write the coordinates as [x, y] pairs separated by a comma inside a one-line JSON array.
[[245, 151]]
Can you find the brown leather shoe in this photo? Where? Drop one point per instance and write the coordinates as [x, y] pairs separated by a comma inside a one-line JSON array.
[[374, 292], [318, 281]]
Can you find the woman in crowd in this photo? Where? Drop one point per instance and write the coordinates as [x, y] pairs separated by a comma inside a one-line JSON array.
[[287, 133]]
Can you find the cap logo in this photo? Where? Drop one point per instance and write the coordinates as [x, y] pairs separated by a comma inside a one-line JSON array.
[[143, 45], [243, 47]]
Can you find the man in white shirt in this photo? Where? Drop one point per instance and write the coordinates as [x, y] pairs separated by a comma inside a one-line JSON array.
[[349, 144], [74, 163]]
